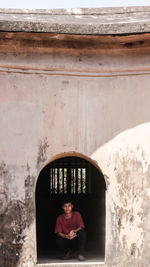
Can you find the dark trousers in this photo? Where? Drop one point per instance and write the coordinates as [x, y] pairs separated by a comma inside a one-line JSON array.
[[76, 244]]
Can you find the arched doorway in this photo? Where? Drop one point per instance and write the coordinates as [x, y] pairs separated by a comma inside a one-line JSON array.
[[84, 182]]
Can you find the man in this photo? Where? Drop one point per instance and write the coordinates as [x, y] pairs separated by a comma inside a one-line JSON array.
[[70, 231]]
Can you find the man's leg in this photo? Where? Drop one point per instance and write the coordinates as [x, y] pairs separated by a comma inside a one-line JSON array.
[[81, 241], [77, 244], [64, 246]]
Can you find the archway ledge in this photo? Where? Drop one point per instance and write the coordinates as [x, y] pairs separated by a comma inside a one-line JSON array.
[[80, 155]]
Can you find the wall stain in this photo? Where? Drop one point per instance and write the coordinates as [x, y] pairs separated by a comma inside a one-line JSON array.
[[129, 194], [12, 236], [29, 196], [42, 152], [15, 217]]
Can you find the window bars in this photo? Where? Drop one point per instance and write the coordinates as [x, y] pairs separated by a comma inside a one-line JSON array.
[[68, 180]]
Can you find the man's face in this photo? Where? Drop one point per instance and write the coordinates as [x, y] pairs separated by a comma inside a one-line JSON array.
[[67, 207]]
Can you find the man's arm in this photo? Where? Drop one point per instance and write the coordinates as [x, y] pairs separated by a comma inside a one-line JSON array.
[[63, 235], [80, 223], [77, 230], [66, 236], [58, 230]]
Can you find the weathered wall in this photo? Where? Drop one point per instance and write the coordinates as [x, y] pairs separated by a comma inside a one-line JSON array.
[[94, 104]]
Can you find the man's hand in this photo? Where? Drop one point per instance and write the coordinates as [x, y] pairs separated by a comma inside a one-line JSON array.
[[72, 235], [69, 236]]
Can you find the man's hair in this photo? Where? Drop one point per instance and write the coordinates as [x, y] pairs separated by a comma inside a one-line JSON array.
[[66, 200]]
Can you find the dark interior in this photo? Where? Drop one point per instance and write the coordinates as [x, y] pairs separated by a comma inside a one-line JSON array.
[[87, 192]]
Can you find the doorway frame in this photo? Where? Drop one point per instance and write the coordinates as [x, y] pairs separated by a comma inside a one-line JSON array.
[[95, 164]]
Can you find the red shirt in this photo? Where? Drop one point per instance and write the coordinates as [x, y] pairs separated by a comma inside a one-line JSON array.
[[64, 225]]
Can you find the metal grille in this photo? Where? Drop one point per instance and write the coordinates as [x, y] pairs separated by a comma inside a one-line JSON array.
[[68, 180]]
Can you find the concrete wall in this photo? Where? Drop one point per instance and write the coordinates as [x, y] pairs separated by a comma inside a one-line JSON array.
[[94, 104]]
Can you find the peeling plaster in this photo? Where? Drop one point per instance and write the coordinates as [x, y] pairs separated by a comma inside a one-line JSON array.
[[125, 159]]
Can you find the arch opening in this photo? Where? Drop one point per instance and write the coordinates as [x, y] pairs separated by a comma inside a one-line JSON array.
[[84, 183]]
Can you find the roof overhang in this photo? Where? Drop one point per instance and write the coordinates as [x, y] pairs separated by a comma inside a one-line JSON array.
[[80, 21]]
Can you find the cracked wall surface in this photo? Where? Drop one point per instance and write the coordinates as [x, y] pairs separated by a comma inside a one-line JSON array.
[[93, 104]]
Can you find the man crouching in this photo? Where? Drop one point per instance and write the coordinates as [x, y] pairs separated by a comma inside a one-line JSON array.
[[70, 232]]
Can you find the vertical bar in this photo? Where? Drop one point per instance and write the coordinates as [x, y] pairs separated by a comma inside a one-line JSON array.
[[68, 180], [54, 180], [74, 180], [60, 186], [76, 175], [85, 181], [81, 181], [58, 181], [73, 189], [63, 179], [71, 181]]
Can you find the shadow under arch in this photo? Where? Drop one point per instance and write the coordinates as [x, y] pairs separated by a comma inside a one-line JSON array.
[[73, 154], [88, 197]]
